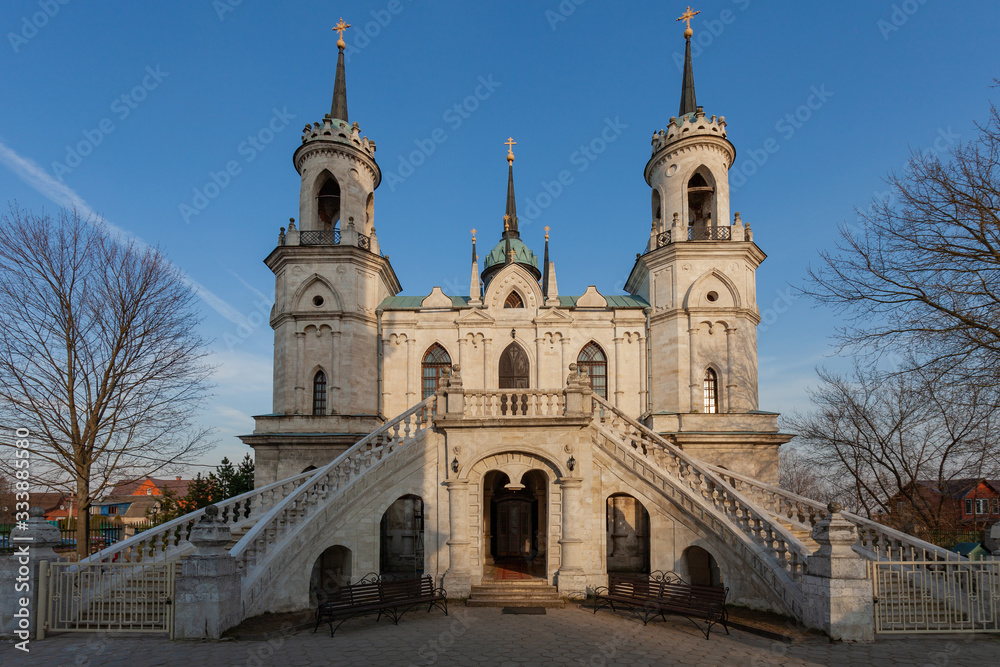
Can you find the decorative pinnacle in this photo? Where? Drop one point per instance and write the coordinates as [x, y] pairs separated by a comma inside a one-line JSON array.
[[547, 233], [510, 143], [473, 234], [341, 27], [506, 222], [686, 17]]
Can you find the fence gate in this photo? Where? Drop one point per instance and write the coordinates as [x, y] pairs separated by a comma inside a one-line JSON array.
[[936, 596], [109, 597]]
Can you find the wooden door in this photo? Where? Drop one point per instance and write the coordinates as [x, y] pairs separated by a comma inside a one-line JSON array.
[[514, 368], [513, 528]]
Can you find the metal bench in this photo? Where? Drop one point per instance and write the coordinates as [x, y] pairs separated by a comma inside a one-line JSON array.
[[385, 595], [660, 593]]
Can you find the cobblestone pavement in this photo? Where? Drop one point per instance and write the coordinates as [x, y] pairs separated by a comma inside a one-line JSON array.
[[484, 636]]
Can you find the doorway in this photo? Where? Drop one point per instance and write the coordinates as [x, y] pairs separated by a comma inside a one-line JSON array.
[[515, 525]]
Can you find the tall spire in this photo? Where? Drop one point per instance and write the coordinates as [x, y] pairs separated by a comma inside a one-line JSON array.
[[545, 265], [688, 102], [510, 215], [339, 107]]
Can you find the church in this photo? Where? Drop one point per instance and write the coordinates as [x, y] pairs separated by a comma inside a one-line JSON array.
[[508, 377]]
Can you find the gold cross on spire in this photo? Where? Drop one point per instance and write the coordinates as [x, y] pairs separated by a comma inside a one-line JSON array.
[[506, 222], [339, 29], [686, 17], [473, 234], [510, 255], [547, 233], [510, 143]]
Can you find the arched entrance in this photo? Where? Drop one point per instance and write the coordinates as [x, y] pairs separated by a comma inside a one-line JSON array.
[[702, 570], [331, 571], [515, 525], [401, 543], [628, 534], [514, 368]]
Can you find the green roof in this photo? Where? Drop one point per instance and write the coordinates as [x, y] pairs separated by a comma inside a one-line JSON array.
[[522, 254], [614, 301]]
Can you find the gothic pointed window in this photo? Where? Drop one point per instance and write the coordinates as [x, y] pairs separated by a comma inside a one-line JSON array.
[[514, 368], [593, 361], [328, 202], [657, 210], [435, 361], [711, 392], [700, 194], [513, 300], [319, 393]]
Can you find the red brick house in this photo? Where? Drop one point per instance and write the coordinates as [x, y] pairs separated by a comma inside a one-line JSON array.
[[134, 501], [960, 505]]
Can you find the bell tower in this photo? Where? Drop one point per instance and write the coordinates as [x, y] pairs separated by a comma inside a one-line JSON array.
[[330, 278], [698, 274]]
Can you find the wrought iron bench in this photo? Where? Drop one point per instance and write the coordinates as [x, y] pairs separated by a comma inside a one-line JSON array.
[[385, 595], [661, 593]]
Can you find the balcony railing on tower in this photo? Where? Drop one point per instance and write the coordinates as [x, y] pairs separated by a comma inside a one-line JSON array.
[[324, 237]]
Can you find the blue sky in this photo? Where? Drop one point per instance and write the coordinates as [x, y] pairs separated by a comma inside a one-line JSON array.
[[129, 108]]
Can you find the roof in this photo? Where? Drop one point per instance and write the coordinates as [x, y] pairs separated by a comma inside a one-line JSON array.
[[48, 501], [177, 486], [957, 488], [522, 254], [413, 302], [966, 548]]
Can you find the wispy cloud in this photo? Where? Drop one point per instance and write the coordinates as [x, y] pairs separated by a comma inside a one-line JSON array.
[[35, 176]]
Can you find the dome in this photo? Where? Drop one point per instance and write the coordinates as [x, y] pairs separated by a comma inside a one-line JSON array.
[[522, 254]]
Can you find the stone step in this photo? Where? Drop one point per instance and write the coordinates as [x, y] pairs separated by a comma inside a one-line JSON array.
[[517, 593], [516, 602]]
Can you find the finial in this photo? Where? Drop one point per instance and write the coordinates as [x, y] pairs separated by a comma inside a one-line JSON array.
[[341, 27], [473, 234], [510, 254], [510, 143], [506, 222], [686, 17], [547, 233]]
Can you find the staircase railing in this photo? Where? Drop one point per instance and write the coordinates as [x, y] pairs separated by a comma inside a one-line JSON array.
[[169, 539], [779, 556], [876, 541], [267, 537]]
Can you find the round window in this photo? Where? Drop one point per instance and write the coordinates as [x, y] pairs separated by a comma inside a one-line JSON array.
[[712, 296], [317, 301]]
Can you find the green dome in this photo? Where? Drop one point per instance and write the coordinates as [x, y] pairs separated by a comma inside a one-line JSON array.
[[522, 254]]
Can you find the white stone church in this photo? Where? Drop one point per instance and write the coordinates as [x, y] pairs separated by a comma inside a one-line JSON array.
[[514, 442]]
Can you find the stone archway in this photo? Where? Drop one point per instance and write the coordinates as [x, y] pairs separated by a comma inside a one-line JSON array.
[[701, 567], [516, 475], [628, 534], [330, 571]]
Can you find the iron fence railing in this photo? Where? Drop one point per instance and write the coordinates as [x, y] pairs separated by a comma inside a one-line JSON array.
[[322, 237], [709, 233]]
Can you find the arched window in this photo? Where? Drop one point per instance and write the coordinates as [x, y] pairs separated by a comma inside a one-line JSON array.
[[657, 210], [700, 194], [435, 360], [514, 368], [370, 208], [592, 360], [328, 202], [319, 393], [711, 392], [513, 301]]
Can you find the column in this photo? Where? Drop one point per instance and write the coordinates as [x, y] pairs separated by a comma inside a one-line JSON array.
[[411, 395], [458, 578], [696, 405], [207, 595], [487, 360], [619, 392], [461, 353], [333, 389], [570, 577], [538, 362], [563, 361], [642, 374], [731, 385], [300, 389], [488, 525]]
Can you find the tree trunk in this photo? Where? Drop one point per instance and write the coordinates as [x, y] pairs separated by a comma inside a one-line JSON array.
[[82, 517]]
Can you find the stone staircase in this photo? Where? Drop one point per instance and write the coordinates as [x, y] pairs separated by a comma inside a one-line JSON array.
[[522, 593], [800, 533]]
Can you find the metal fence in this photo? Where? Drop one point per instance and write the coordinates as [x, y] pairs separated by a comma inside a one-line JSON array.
[[936, 596], [119, 597]]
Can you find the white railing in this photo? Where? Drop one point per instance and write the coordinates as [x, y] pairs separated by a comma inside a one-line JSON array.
[[169, 540], [936, 596], [779, 557], [263, 543], [876, 541], [514, 403]]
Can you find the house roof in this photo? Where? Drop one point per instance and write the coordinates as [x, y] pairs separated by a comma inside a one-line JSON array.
[[958, 488], [966, 548], [177, 486], [49, 501]]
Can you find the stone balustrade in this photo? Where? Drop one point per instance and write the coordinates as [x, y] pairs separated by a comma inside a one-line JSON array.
[[875, 541], [515, 403], [169, 540]]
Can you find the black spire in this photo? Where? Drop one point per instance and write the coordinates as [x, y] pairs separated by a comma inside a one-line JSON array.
[[339, 107], [545, 267], [688, 102], [510, 214]]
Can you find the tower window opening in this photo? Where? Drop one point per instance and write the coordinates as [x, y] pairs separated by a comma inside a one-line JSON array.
[[657, 212], [700, 195], [593, 361], [711, 392], [319, 393], [514, 300], [328, 201], [435, 361]]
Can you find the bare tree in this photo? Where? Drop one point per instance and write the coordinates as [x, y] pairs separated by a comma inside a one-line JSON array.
[[99, 356], [874, 435], [921, 271]]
